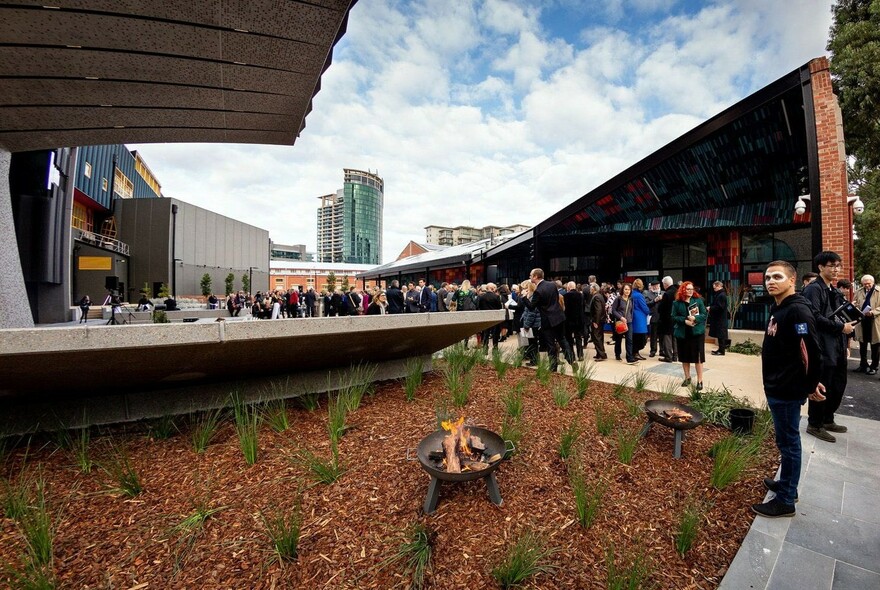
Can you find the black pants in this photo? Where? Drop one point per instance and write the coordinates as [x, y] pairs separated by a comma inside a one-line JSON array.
[[655, 337], [597, 335], [575, 336], [554, 336], [863, 353], [834, 379], [491, 334]]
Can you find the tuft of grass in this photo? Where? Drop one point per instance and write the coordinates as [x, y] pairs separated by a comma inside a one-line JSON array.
[[459, 386], [561, 395], [569, 437], [499, 362], [627, 440], [34, 577], [715, 404], [733, 455], [415, 552], [542, 370], [620, 387], [628, 570], [163, 428], [605, 420], [247, 426], [38, 528], [512, 430], [748, 347], [322, 470], [81, 449], [633, 407], [205, 429], [688, 527], [196, 519], [526, 558], [587, 495], [669, 390], [413, 378], [513, 401], [515, 358], [309, 401], [119, 468], [284, 529], [15, 497], [337, 412], [274, 413], [642, 380], [355, 384], [443, 411], [584, 377]]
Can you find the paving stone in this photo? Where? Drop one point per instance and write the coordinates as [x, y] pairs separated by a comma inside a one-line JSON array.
[[798, 568], [861, 503], [850, 577], [838, 536], [753, 563]]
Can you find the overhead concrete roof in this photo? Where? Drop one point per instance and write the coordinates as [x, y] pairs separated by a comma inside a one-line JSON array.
[[84, 72]]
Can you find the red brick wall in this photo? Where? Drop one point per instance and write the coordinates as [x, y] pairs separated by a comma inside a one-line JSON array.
[[836, 213]]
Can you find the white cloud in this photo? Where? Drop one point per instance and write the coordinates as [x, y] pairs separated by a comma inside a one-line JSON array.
[[474, 113]]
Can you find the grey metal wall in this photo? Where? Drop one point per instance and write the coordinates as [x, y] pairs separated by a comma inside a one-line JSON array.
[[204, 242]]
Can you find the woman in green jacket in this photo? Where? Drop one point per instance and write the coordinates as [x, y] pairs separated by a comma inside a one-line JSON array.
[[689, 327]]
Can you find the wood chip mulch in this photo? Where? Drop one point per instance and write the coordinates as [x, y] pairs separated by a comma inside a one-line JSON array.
[[104, 540]]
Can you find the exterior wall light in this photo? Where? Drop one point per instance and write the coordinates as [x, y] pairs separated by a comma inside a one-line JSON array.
[[800, 206]]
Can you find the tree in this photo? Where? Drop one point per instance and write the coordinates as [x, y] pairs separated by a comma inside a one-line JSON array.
[[246, 283], [867, 225], [230, 283], [205, 284], [345, 284], [331, 281], [854, 43], [145, 290], [164, 291]]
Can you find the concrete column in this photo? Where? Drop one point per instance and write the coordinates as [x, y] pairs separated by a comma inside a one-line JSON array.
[[14, 309]]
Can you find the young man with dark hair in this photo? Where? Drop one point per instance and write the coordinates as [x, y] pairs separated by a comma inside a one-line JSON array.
[[833, 338], [791, 362]]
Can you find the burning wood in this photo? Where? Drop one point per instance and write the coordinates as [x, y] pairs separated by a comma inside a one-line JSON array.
[[676, 415], [461, 450]]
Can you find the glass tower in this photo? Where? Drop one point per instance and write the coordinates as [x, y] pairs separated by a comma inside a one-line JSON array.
[[350, 222]]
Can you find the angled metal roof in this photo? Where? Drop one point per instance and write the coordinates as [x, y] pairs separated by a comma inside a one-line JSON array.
[[83, 72]]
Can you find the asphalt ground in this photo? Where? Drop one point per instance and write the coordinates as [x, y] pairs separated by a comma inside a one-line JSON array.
[[862, 396]]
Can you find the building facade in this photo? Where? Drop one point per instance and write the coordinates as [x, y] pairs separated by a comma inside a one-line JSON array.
[[288, 252], [288, 274], [464, 234], [350, 220]]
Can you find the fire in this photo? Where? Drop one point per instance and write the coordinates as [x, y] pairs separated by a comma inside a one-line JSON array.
[[456, 429]]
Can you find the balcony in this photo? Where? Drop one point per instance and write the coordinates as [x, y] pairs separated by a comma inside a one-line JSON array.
[[100, 241]]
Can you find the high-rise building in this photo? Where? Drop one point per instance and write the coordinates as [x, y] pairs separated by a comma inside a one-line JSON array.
[[350, 220], [464, 234]]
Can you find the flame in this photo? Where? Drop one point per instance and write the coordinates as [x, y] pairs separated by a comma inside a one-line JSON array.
[[455, 429]]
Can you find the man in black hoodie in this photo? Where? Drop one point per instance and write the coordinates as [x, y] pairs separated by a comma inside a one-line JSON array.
[[791, 362]]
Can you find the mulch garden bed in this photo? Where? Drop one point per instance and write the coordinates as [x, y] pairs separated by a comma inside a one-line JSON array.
[[105, 540]]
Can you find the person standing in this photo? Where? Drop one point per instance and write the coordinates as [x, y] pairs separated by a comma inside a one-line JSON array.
[[597, 321], [640, 314], [718, 317], [689, 326], [668, 345], [574, 318], [84, 304], [791, 363], [546, 299], [489, 299], [868, 330], [395, 298], [653, 297], [833, 339], [622, 311]]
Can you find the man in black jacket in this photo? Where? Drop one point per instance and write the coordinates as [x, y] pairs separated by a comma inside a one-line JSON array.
[[546, 299], [718, 317], [574, 318], [489, 299], [833, 334], [791, 363], [668, 345], [597, 321], [395, 298]]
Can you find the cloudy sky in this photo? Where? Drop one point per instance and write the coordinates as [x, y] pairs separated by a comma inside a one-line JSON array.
[[497, 112]]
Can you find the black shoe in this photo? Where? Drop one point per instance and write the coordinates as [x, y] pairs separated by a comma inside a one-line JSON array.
[[821, 434], [639, 357], [871, 372], [686, 382], [860, 369], [652, 354], [632, 362], [718, 352], [832, 427], [666, 360], [773, 485], [675, 359], [774, 509], [699, 386]]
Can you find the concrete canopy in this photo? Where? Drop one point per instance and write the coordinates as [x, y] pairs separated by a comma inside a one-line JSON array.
[[83, 72]]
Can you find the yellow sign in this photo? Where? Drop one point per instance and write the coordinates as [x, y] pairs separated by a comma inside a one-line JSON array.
[[95, 263]]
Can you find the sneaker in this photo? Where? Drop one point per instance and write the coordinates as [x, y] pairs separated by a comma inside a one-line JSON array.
[[773, 485], [686, 382], [821, 434], [632, 362], [832, 427], [871, 372], [774, 509]]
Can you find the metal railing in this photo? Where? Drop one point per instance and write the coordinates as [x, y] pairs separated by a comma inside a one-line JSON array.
[[100, 241]]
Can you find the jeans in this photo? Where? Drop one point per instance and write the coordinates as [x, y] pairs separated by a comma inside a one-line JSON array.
[[786, 419]]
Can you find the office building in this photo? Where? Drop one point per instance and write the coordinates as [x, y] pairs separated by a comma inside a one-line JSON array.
[[464, 234], [350, 220]]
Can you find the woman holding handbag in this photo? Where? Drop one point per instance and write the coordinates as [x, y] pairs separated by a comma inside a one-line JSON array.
[[689, 327], [622, 316]]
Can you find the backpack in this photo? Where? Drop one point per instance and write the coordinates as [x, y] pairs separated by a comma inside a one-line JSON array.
[[466, 301]]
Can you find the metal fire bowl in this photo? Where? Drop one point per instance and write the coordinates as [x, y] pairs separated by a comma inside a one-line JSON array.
[[654, 409], [434, 441]]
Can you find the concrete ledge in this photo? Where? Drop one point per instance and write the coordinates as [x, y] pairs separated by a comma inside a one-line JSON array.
[[80, 360]]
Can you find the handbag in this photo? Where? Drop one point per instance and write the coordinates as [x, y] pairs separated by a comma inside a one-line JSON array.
[[620, 327]]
